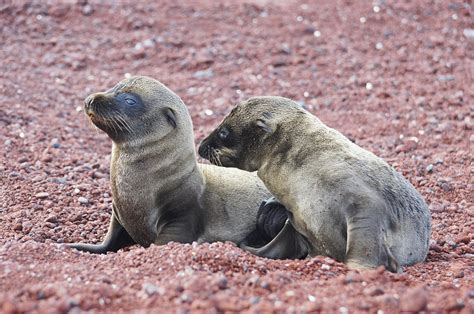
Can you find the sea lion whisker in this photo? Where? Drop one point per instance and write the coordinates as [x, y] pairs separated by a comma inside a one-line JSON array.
[[119, 124], [213, 157], [126, 124], [216, 157]]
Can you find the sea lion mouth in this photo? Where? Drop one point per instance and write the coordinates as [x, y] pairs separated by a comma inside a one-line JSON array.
[[216, 156]]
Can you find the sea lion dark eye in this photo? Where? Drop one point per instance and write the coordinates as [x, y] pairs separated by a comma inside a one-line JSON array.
[[223, 133], [130, 101]]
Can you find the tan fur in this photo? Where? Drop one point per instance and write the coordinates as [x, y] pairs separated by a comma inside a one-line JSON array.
[[348, 203], [160, 192]]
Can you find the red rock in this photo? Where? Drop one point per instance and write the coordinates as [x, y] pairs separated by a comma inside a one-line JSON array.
[[18, 227], [53, 219], [414, 300]]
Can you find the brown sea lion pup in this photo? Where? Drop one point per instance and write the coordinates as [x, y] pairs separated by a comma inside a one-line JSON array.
[[346, 202], [160, 192]]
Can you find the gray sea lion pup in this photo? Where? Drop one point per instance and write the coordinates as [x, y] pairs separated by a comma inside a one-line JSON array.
[[160, 192], [346, 202]]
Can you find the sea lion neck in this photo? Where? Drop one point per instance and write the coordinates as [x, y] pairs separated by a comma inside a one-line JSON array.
[[288, 151], [172, 159]]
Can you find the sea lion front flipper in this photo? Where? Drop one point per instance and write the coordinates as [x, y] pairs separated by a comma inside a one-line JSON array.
[[115, 239], [366, 247], [288, 244]]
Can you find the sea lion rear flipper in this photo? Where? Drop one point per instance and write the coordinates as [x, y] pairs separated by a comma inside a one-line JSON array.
[[271, 218], [288, 244], [115, 239]]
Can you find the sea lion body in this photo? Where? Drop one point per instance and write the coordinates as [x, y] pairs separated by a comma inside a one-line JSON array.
[[346, 202], [160, 193]]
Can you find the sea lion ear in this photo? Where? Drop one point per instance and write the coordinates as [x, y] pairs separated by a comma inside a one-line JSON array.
[[171, 117], [266, 123]]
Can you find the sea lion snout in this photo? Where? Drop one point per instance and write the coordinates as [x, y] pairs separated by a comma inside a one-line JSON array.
[[92, 101], [204, 149]]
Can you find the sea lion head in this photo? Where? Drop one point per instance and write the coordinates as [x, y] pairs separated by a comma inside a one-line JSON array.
[[250, 132], [134, 109]]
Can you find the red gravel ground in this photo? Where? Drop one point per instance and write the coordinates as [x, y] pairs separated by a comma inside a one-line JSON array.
[[395, 76]]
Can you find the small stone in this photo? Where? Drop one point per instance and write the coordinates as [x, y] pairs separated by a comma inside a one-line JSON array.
[[437, 208], [53, 219], [18, 227], [75, 218], [468, 33], [446, 186], [445, 78], [374, 291], [429, 168], [309, 30], [55, 143], [47, 158], [453, 304], [42, 195], [139, 53], [203, 74], [151, 289], [463, 238], [459, 274], [325, 267], [280, 62], [222, 283], [343, 310], [434, 246], [87, 10], [285, 48], [352, 276], [59, 180], [414, 300], [452, 244], [407, 147], [83, 200], [420, 101]]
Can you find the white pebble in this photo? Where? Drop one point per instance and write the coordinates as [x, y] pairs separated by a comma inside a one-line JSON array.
[[83, 200]]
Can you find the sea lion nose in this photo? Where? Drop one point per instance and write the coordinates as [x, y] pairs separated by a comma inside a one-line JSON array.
[[88, 101], [203, 149], [92, 100]]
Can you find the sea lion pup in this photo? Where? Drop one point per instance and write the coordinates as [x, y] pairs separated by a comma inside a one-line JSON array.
[[346, 202], [160, 192]]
